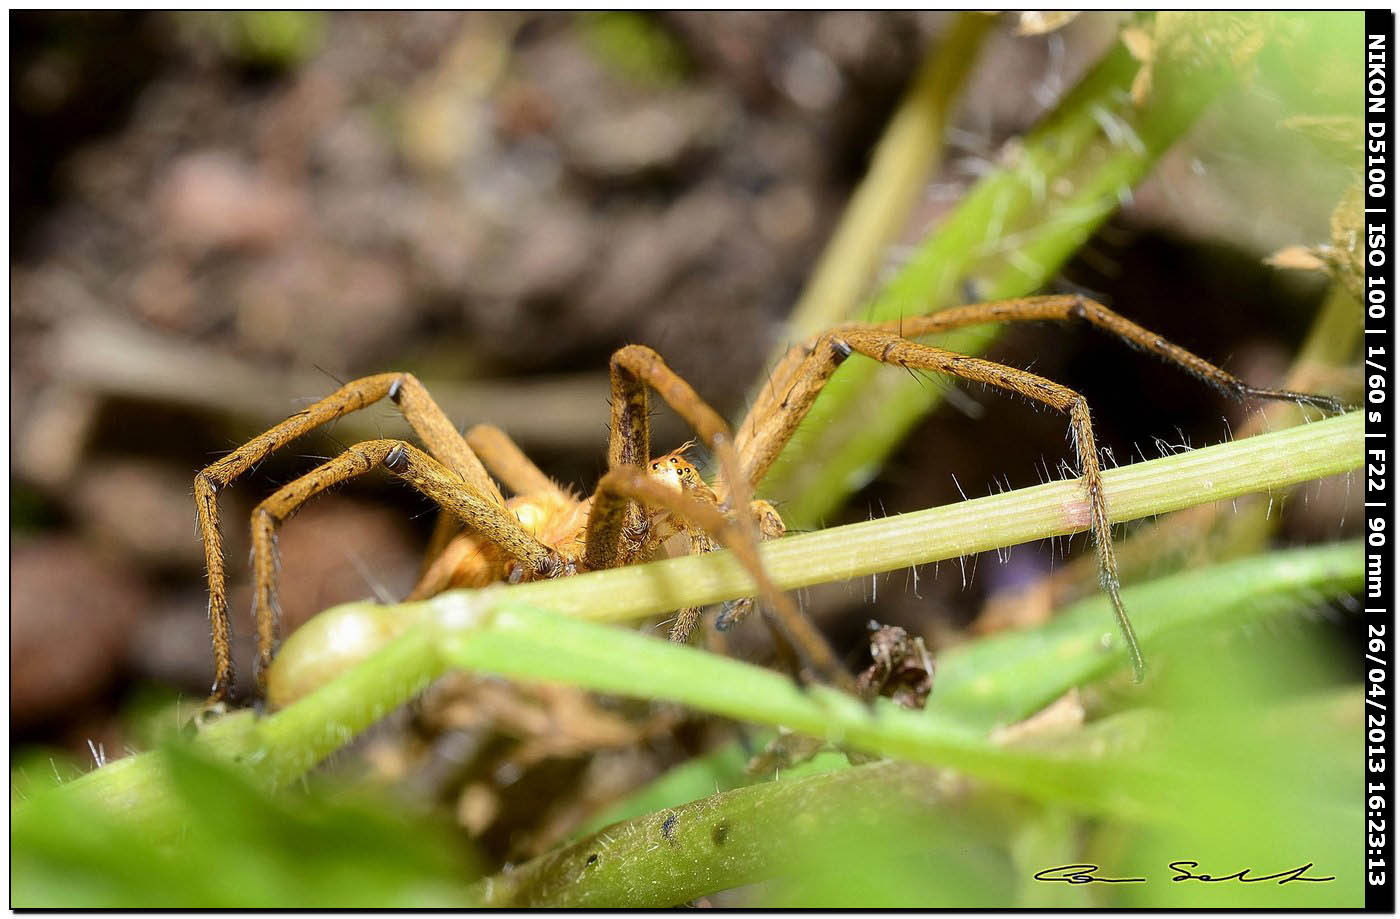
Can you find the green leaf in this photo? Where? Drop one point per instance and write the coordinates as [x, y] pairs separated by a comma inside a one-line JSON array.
[[236, 847]]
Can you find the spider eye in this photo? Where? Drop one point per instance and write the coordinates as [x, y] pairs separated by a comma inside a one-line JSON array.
[[673, 461]]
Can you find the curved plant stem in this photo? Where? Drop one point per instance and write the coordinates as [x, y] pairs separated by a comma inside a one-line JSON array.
[[716, 843], [493, 631], [503, 630], [1255, 464]]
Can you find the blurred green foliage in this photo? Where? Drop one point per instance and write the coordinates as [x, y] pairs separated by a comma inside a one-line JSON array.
[[1260, 777], [636, 46], [1239, 753], [239, 848], [890, 853], [1054, 187], [266, 39], [1250, 745]]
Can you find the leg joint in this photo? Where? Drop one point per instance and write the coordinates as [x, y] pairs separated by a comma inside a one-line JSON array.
[[264, 518], [396, 460], [206, 486], [629, 358]]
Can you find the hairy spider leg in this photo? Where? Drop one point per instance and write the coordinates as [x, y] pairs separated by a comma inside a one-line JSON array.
[[423, 415], [620, 486], [768, 426], [770, 526], [802, 372], [832, 348], [479, 512], [1072, 307], [509, 464], [505, 461], [682, 475], [634, 369]]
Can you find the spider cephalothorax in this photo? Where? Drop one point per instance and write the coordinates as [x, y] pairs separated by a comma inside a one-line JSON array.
[[558, 519], [641, 503]]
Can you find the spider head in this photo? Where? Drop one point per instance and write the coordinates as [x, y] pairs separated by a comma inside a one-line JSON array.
[[675, 471]]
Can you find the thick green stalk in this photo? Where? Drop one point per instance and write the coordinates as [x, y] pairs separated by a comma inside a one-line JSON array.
[[493, 632], [1008, 237], [716, 843], [712, 842], [999, 680], [1255, 464]]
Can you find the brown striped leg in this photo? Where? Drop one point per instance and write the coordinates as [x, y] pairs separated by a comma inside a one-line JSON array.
[[418, 408], [635, 369], [800, 374], [830, 349], [797, 380], [626, 484], [508, 463], [770, 526], [479, 512], [687, 619], [889, 348]]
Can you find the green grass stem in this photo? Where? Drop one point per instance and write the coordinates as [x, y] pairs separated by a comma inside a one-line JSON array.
[[505, 630]]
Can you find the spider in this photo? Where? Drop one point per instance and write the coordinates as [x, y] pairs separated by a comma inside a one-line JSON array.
[[641, 502]]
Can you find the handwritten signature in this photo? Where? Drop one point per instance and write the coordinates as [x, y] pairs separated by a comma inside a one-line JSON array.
[[1086, 874]]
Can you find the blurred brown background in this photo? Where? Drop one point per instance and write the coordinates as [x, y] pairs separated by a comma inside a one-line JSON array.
[[216, 217]]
